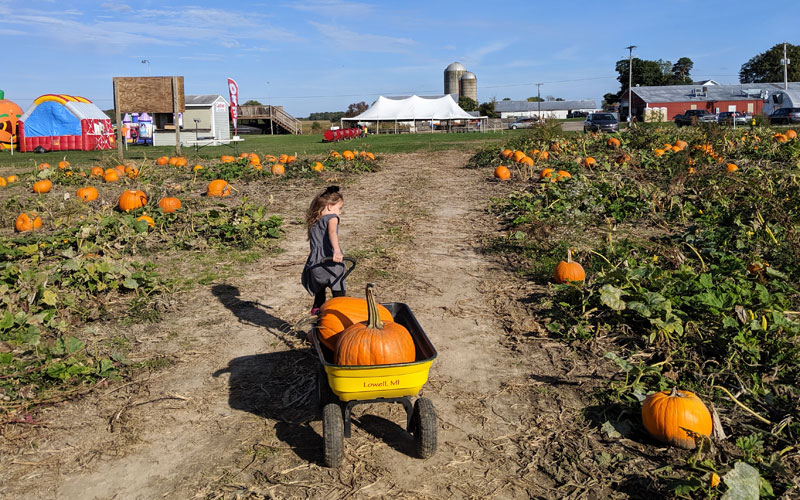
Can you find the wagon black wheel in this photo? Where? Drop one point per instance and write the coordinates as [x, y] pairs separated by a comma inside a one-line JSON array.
[[424, 425], [333, 434], [324, 392]]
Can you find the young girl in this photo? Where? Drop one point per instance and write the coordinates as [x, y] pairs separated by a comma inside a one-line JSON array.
[[324, 267]]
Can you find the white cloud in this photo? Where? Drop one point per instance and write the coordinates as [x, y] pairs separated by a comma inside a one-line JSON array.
[[363, 42], [333, 8], [118, 7]]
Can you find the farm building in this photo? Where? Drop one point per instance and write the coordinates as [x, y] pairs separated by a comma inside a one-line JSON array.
[[59, 122], [549, 109], [212, 114], [662, 103]]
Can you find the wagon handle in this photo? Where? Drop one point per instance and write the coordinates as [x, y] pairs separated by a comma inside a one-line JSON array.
[[349, 270]]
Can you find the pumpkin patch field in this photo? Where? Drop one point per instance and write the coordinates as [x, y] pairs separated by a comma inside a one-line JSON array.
[[613, 318], [690, 243]]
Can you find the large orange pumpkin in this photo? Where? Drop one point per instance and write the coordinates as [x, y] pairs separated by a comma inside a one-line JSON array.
[[282, 158], [63, 164], [169, 204], [790, 134], [317, 166], [667, 415], [218, 187], [42, 186], [27, 223], [131, 200], [88, 193], [12, 179], [111, 175], [227, 159], [96, 172], [569, 270], [348, 155], [502, 173], [376, 342], [339, 313], [163, 160], [613, 142], [278, 169]]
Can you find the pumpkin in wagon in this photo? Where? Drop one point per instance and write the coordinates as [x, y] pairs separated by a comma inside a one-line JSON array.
[[339, 313], [668, 416], [374, 342]]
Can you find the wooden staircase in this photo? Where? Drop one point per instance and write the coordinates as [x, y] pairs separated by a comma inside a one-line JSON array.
[[281, 122]]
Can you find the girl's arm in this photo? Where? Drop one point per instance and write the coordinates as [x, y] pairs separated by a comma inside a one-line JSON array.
[[337, 251]]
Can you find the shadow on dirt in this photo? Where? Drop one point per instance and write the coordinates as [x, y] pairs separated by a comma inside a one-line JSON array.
[[253, 313], [281, 387], [388, 432]]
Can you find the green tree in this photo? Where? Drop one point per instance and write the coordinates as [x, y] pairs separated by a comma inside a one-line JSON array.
[[356, 109], [467, 103], [767, 67], [506, 98], [252, 102], [487, 109], [535, 99], [681, 70], [316, 127]]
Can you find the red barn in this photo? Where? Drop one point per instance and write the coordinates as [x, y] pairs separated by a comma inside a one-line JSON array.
[[676, 99]]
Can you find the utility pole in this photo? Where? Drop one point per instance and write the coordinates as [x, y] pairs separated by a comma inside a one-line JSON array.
[[630, 82], [785, 63], [539, 100]]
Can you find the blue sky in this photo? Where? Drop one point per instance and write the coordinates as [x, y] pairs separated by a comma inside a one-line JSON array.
[[321, 55]]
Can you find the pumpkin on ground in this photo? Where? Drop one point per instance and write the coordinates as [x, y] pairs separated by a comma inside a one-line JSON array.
[[658, 152], [278, 169], [506, 154], [623, 159], [25, 222], [780, 137], [163, 160], [569, 270], [339, 313], [668, 415], [502, 173], [790, 134], [563, 175], [218, 187], [63, 164], [589, 162], [111, 176], [88, 193], [270, 158], [317, 166], [282, 158], [96, 172], [227, 159], [12, 178], [148, 219], [120, 169], [732, 167], [613, 142], [169, 204], [546, 173], [348, 155], [42, 186], [376, 342], [3, 182], [131, 200], [518, 155], [681, 144], [291, 159], [132, 172], [44, 166], [527, 160]]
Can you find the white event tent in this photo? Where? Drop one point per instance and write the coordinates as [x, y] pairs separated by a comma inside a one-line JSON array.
[[419, 113]]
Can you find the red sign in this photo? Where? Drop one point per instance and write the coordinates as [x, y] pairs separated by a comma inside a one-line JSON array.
[[234, 93]]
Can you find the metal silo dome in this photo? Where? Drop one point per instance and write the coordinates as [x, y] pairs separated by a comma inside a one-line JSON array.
[[469, 85], [469, 75], [456, 66]]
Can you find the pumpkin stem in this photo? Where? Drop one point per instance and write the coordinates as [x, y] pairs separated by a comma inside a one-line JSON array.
[[674, 392], [569, 255], [374, 316]]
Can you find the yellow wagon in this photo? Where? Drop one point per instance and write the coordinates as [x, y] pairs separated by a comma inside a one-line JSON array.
[[343, 387]]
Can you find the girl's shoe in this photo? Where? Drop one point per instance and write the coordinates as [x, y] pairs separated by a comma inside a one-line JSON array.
[[315, 311]]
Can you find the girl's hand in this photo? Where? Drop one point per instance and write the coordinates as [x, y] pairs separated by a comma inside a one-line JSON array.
[[337, 256]]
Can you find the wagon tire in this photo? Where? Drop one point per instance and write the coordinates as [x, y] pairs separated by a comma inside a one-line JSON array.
[[332, 435], [424, 426]]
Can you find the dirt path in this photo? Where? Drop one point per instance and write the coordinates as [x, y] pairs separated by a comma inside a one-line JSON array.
[[234, 412]]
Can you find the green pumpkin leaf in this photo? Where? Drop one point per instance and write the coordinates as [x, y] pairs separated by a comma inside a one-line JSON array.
[[50, 298], [611, 297], [130, 284], [743, 482]]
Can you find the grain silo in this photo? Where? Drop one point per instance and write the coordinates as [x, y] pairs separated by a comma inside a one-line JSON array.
[[469, 85], [452, 79]]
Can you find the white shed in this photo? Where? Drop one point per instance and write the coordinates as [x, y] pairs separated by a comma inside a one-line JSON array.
[[206, 119]]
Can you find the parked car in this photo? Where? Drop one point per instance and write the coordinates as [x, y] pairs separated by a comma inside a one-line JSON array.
[[600, 122], [523, 123], [730, 117], [693, 116], [785, 115], [577, 114]]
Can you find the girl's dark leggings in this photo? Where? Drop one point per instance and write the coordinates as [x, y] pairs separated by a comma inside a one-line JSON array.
[[319, 298]]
